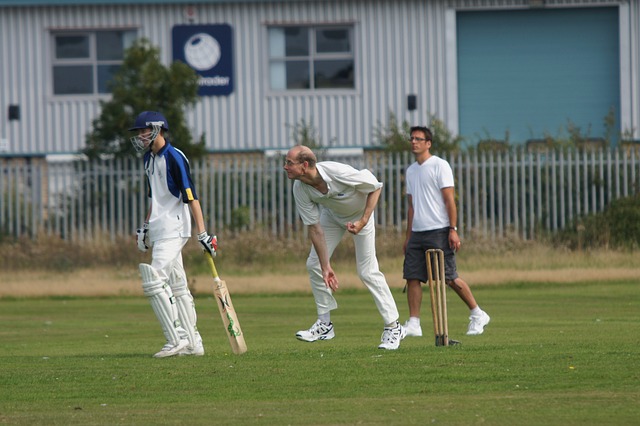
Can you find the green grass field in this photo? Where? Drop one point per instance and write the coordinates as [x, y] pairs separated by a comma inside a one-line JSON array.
[[553, 354]]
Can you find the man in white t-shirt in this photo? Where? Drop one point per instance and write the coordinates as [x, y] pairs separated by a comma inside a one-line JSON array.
[[333, 198], [431, 224]]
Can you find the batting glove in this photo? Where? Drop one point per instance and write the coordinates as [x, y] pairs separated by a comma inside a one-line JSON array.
[[142, 237], [209, 242]]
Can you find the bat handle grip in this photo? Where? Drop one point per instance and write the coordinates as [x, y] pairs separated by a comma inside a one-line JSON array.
[[212, 265]]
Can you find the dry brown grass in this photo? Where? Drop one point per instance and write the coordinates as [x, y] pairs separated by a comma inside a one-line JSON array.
[[259, 263]]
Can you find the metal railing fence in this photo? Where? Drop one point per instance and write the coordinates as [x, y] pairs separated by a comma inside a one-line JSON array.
[[498, 193]]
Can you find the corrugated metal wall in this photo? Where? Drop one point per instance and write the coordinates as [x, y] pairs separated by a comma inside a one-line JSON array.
[[401, 49]]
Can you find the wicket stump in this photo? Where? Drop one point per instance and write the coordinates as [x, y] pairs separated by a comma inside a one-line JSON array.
[[437, 290]]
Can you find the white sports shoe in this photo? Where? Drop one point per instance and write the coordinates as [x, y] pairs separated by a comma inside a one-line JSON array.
[[318, 331], [198, 350], [477, 323], [391, 337], [171, 350], [413, 330]]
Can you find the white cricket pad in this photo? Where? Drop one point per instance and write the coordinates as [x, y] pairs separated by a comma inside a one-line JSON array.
[[186, 307], [148, 273], [162, 302]]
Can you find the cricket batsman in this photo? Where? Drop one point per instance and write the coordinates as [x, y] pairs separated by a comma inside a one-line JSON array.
[[165, 231]]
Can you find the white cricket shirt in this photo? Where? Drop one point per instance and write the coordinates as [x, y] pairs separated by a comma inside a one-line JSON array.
[[170, 188], [346, 197]]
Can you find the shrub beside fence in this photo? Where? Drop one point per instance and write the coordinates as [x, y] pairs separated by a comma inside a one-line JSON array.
[[498, 193]]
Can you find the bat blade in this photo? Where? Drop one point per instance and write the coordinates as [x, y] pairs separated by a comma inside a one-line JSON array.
[[227, 311]]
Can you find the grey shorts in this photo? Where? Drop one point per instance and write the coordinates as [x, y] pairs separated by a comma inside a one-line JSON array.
[[415, 263]]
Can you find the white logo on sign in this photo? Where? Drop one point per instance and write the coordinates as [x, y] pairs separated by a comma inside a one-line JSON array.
[[202, 51]]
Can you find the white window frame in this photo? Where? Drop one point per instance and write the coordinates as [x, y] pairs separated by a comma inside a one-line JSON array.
[[311, 57], [92, 59]]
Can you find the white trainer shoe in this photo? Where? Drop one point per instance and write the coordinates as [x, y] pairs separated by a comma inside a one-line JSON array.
[[477, 323], [413, 330], [318, 331], [171, 350], [198, 350], [391, 337]]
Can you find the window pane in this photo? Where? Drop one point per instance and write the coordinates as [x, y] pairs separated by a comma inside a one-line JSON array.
[[128, 37], [276, 42], [105, 74], [72, 80], [70, 47], [333, 40], [334, 74], [110, 45], [296, 41], [278, 73], [298, 75]]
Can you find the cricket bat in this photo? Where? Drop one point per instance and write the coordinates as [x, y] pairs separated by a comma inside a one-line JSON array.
[[227, 312]]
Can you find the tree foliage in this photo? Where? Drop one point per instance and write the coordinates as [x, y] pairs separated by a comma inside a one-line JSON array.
[[305, 133], [393, 136], [143, 83], [444, 141]]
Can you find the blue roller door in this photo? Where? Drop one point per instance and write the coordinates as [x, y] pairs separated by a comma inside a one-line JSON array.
[[531, 72]]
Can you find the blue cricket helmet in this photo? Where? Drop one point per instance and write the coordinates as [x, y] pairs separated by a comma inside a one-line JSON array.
[[150, 119]]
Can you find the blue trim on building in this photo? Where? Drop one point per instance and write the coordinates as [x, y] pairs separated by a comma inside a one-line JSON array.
[[129, 2]]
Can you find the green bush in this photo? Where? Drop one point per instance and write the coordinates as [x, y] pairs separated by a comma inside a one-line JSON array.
[[240, 218], [617, 227], [623, 220], [394, 135]]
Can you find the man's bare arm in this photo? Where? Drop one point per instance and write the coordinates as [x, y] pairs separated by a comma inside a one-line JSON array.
[[316, 234], [372, 201], [448, 196]]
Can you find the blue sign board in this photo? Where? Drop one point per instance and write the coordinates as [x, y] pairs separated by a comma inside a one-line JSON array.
[[208, 49]]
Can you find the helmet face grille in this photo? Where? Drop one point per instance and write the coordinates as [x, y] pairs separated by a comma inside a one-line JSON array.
[[144, 141]]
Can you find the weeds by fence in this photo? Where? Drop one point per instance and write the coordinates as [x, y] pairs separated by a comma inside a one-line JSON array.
[[517, 192]]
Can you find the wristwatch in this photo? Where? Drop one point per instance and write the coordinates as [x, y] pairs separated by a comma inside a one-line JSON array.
[[453, 228]]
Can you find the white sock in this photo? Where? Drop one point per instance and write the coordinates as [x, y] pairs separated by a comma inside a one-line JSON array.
[[414, 321], [476, 311], [325, 318]]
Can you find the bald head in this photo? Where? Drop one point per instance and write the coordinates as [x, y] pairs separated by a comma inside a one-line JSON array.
[[301, 153]]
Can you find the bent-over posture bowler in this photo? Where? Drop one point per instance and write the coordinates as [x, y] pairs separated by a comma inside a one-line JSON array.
[[333, 198]]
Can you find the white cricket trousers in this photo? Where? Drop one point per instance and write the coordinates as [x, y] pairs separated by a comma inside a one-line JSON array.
[[366, 265], [167, 261]]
